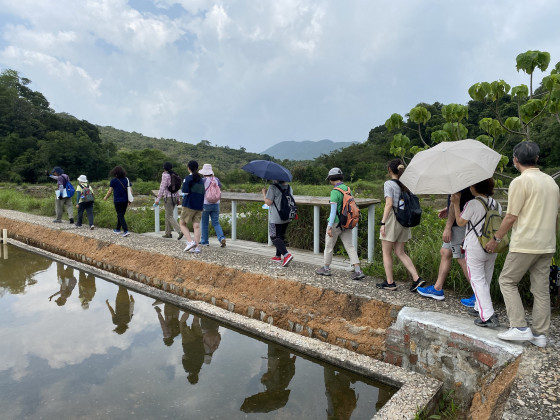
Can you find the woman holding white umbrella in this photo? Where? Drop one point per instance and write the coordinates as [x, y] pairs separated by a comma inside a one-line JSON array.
[[393, 235]]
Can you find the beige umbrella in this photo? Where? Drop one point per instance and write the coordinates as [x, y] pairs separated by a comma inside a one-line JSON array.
[[450, 167]]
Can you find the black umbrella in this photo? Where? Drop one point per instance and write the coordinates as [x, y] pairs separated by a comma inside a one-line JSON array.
[[268, 170]]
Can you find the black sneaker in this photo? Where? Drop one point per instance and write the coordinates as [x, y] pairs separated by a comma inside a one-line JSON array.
[[72, 221], [492, 322], [180, 236], [472, 312], [416, 284], [387, 286]]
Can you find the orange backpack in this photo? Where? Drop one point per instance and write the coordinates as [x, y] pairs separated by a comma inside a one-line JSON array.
[[349, 215]]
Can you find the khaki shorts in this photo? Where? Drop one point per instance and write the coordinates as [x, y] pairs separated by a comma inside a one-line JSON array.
[[394, 231], [190, 215]]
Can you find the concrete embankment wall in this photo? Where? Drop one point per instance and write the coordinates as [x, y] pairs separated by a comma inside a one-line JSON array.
[[440, 346]]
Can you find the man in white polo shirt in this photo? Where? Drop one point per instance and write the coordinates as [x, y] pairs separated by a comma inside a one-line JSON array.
[[532, 211]]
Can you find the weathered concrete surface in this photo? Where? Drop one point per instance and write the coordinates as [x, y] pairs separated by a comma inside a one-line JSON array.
[[530, 386]]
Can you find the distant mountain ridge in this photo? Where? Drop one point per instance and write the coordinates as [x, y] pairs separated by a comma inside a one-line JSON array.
[[304, 150]]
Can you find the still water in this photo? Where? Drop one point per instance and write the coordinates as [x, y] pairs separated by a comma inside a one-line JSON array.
[[73, 346]]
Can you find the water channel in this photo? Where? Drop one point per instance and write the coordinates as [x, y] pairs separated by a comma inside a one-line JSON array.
[[76, 346]]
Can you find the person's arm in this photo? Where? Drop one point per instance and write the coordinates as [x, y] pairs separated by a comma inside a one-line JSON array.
[[332, 216], [455, 199], [163, 186], [110, 308], [505, 226], [446, 237], [267, 201], [108, 193], [386, 211]]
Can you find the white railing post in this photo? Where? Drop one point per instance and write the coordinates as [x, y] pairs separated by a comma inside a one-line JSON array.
[[355, 237], [5, 236], [371, 232], [316, 229], [268, 226], [233, 220], [156, 217], [176, 212], [5, 246]]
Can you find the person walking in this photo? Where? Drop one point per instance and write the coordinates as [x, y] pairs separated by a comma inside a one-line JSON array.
[[211, 207], [276, 226], [62, 200], [451, 249], [392, 234], [118, 187], [193, 203], [334, 230], [170, 195], [532, 216], [480, 264], [85, 201]]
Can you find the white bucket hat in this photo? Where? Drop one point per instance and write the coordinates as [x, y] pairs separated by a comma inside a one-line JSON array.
[[206, 169], [82, 178]]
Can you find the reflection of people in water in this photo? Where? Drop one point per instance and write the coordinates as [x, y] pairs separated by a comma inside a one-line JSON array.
[[340, 397], [210, 337], [193, 347], [86, 288], [169, 322], [124, 308], [281, 370], [67, 282]]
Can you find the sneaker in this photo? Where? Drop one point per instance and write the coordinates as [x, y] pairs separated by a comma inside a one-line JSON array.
[[190, 245], [431, 292], [539, 340], [167, 235], [387, 286], [57, 221], [195, 250], [125, 234], [118, 232], [78, 226], [71, 221], [416, 284], [180, 236], [223, 242], [323, 271], [287, 260], [515, 334], [472, 312], [204, 244], [469, 302], [91, 227], [492, 322], [276, 259], [358, 275]]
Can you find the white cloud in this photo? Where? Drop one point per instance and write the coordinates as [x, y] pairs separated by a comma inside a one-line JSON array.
[[254, 72]]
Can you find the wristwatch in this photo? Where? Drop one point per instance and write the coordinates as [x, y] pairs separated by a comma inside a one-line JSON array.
[[497, 240], [381, 223]]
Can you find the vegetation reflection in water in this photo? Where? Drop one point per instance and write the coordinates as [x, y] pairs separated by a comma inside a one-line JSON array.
[[76, 346]]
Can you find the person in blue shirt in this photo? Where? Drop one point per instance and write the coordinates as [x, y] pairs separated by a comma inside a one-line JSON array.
[[193, 204], [118, 187]]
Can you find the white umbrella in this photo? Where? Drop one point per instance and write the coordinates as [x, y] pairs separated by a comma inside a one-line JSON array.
[[450, 167]]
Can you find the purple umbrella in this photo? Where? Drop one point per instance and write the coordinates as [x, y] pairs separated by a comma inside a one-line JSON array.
[[268, 170]]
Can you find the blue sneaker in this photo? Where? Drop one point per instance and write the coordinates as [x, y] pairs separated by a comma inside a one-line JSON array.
[[118, 232], [469, 302], [431, 292]]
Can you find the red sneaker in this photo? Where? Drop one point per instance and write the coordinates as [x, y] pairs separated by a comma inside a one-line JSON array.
[[276, 259], [287, 260]]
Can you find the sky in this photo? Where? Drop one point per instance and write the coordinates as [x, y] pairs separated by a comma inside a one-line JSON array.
[[252, 73]]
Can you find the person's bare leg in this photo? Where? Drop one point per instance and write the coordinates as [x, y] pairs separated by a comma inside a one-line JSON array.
[[197, 232], [444, 267], [387, 248], [405, 259], [185, 231]]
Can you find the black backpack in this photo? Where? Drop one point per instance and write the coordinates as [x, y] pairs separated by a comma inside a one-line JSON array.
[[288, 208], [175, 184], [408, 211]]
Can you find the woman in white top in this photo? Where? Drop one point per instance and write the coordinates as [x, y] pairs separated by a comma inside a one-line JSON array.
[[480, 264]]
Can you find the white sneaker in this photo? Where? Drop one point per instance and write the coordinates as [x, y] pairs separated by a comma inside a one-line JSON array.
[[189, 246], [539, 340], [195, 250], [515, 334]]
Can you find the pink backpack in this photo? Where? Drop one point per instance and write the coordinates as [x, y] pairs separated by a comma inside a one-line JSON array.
[[213, 192]]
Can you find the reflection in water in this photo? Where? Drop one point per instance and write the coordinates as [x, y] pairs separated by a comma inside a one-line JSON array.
[[124, 308], [87, 370], [67, 282], [20, 269], [86, 288], [341, 399], [193, 347], [281, 370], [169, 322]]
